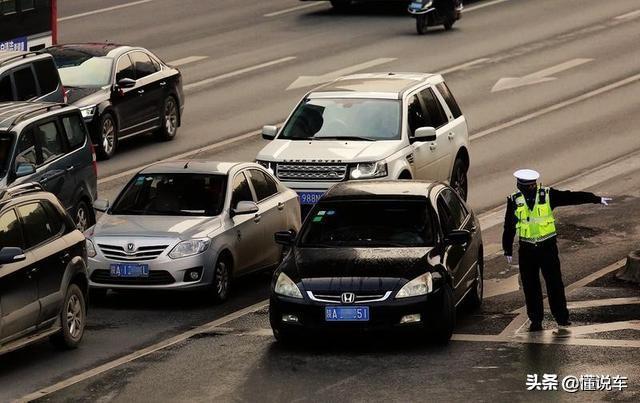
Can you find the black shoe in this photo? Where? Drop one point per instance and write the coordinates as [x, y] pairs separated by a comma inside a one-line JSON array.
[[535, 327], [564, 324]]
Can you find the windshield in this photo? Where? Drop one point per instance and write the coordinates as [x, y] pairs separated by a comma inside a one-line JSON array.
[[370, 223], [6, 142], [349, 119], [172, 194], [80, 69]]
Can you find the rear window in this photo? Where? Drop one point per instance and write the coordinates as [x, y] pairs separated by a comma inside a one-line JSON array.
[[25, 84], [47, 75], [6, 92], [449, 99], [6, 143], [369, 223], [75, 130]]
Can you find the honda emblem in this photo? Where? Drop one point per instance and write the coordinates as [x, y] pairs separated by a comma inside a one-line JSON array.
[[348, 297]]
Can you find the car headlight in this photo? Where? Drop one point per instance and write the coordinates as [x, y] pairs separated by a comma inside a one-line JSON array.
[[369, 170], [268, 165], [91, 249], [285, 286], [189, 248], [421, 285], [88, 112]]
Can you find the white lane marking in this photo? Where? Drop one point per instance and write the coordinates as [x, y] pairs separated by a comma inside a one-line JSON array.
[[531, 339], [463, 66], [541, 76], [186, 60], [238, 72], [632, 14], [206, 328], [483, 5], [603, 302], [499, 286], [103, 10], [310, 81], [557, 106], [292, 9]]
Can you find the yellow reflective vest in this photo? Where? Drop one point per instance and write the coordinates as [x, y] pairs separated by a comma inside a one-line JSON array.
[[538, 224]]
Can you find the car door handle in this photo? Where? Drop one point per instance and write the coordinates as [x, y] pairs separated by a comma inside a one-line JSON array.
[[451, 136], [65, 258], [70, 168], [280, 206], [32, 273], [140, 92], [432, 146], [257, 218], [163, 83]]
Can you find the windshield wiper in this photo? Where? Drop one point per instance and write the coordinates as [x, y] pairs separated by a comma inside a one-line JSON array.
[[356, 138]]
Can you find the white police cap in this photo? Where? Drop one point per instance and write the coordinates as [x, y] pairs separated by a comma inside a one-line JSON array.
[[526, 175]]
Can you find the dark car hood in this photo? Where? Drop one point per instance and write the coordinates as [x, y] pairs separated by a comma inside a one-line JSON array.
[[85, 96], [357, 269]]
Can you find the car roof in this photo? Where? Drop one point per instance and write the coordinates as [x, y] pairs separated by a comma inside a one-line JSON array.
[[12, 113], [193, 166], [377, 85], [94, 49], [383, 189], [16, 55]]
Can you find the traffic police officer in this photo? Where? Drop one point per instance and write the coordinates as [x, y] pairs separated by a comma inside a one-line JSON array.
[[530, 215]]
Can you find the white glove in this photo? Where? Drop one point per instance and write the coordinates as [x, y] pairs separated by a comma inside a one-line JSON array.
[[509, 259], [605, 200]]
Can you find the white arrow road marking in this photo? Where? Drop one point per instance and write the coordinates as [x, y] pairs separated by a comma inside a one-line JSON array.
[[186, 60], [310, 81], [541, 76]]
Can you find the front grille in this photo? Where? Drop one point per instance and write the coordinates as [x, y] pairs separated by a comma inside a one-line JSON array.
[[311, 172], [360, 298], [156, 277], [115, 252]]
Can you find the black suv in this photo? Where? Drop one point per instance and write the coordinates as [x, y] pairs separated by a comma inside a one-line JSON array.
[[29, 76], [43, 270], [48, 143]]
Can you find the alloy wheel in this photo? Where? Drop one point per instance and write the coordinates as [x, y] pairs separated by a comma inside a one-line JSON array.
[[108, 136], [479, 283], [82, 219], [460, 182], [221, 280], [74, 316], [170, 117]]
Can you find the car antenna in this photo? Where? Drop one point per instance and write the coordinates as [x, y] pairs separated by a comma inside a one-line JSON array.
[[186, 164]]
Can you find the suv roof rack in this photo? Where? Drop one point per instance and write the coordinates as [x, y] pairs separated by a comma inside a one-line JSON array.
[[38, 107], [18, 190], [18, 56]]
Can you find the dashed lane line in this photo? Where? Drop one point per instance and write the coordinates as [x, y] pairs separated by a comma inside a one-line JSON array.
[[103, 10], [292, 9], [186, 60], [632, 14]]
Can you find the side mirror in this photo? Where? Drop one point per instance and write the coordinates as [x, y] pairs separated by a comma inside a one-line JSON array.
[[269, 132], [11, 255], [424, 134], [285, 238], [244, 207], [25, 169], [457, 237], [101, 205], [126, 83]]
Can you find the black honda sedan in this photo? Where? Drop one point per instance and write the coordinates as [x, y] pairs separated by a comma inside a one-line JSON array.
[[379, 255], [122, 91]]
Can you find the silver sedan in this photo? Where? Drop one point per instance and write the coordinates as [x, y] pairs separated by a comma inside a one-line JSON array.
[[190, 224]]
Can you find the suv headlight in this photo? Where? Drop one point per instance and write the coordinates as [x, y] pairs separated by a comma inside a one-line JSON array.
[[285, 286], [268, 165], [369, 170], [189, 248], [88, 112], [421, 285], [91, 249]]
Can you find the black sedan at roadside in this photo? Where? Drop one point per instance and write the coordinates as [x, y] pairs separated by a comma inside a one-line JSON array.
[[122, 91], [378, 256]]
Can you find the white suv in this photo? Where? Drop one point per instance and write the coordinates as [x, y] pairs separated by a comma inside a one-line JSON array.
[[370, 126]]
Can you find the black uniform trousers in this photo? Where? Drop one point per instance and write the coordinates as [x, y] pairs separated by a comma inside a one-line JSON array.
[[534, 258]]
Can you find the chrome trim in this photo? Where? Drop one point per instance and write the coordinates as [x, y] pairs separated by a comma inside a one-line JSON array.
[[473, 265], [373, 298]]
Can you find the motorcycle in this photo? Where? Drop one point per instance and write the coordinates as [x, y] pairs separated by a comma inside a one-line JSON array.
[[427, 14]]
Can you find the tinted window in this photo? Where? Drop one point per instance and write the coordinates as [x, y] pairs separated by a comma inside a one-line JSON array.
[[415, 116], [434, 109], [75, 130], [125, 69], [378, 223], [47, 75], [372, 119], [35, 223], [180, 194], [457, 210], [6, 92], [6, 143], [25, 84], [446, 220], [241, 190], [26, 149], [262, 184], [49, 141], [10, 232], [449, 99], [56, 221], [142, 64]]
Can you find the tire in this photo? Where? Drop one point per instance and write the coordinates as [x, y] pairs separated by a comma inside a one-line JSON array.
[[458, 179], [474, 298], [340, 5], [108, 140], [422, 23], [221, 283], [448, 24], [83, 216], [73, 319], [170, 118], [445, 320]]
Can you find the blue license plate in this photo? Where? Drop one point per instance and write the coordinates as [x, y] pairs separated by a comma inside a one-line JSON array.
[[129, 270], [347, 313], [309, 197]]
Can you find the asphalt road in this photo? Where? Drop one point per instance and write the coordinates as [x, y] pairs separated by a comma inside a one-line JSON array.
[[583, 119]]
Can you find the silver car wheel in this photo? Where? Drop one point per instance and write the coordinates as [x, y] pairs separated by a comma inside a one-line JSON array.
[[108, 136], [74, 317], [221, 280], [170, 117], [82, 220], [479, 282]]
